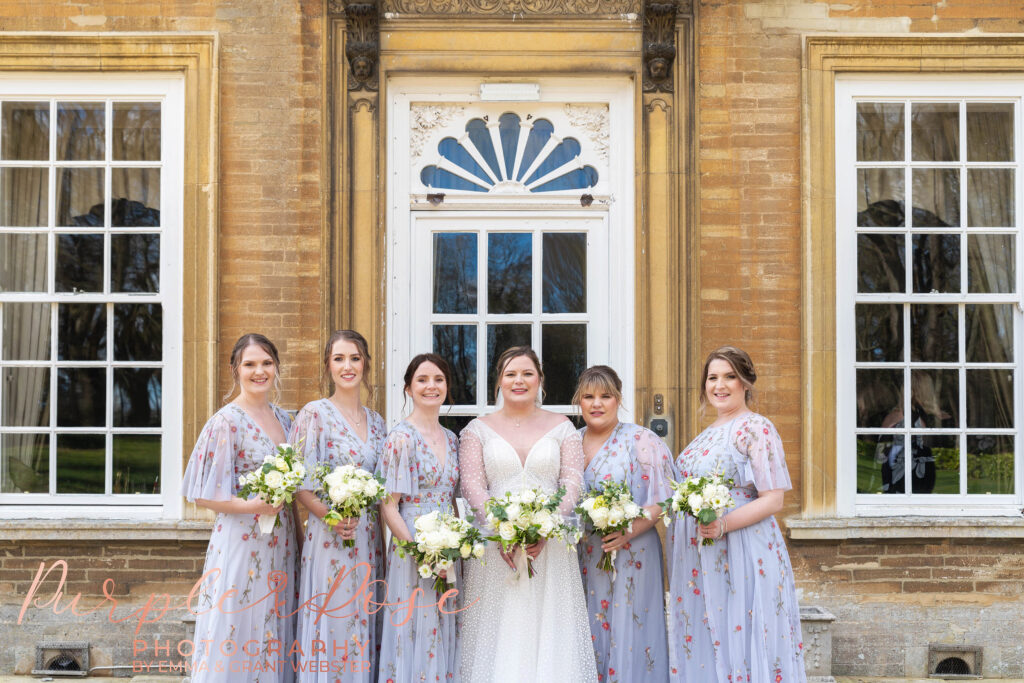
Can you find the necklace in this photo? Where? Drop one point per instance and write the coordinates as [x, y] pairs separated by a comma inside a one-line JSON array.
[[352, 421]]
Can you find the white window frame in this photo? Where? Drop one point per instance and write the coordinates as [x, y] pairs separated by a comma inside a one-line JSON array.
[[169, 89], [849, 90]]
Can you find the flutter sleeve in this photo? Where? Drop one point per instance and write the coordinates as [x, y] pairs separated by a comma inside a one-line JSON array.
[[398, 464], [306, 437], [210, 473], [473, 477], [656, 470], [757, 439], [570, 471]]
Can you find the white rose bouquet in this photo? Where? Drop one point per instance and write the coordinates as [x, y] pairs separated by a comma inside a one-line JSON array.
[[525, 517], [275, 481], [441, 539], [703, 497], [350, 490], [611, 509]]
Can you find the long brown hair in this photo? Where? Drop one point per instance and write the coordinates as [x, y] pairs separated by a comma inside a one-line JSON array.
[[244, 342], [442, 365], [361, 346], [741, 365], [506, 357]]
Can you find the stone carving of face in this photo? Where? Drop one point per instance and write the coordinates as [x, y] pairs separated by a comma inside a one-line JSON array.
[[362, 67], [659, 68]]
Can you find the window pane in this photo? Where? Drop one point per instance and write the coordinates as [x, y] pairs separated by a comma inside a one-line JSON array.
[[26, 131], [936, 465], [990, 464], [81, 397], [508, 132], [81, 463], [879, 397], [933, 333], [136, 134], [138, 332], [990, 398], [935, 131], [509, 272], [880, 131], [936, 197], [136, 460], [135, 263], [81, 332], [137, 397], [879, 333], [22, 263], [455, 272], [990, 193], [565, 358], [989, 333], [135, 197], [499, 338], [936, 263], [990, 263], [79, 263], [456, 423], [877, 456], [25, 193], [989, 131], [881, 264], [25, 463], [457, 345], [80, 130], [26, 397], [935, 398], [880, 197], [26, 331], [80, 197], [565, 272]]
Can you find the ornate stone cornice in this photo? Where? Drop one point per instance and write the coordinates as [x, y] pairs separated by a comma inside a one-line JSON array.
[[512, 7], [362, 43], [659, 51]]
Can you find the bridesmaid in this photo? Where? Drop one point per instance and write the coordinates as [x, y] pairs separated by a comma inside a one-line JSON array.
[[338, 431], [732, 606], [421, 470], [244, 565], [627, 613]]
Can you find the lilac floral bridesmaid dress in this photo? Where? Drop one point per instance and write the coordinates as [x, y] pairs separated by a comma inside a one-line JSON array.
[[733, 612]]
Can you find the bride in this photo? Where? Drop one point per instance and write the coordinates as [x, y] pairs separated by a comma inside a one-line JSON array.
[[516, 628]]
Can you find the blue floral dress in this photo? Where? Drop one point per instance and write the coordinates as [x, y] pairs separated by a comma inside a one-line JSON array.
[[425, 647], [627, 614], [733, 612], [342, 643], [242, 559]]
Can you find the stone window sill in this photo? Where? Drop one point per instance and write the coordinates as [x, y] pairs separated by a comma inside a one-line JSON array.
[[840, 528], [103, 530]]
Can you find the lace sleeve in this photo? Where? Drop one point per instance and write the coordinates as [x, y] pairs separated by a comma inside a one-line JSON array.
[[570, 472], [473, 476]]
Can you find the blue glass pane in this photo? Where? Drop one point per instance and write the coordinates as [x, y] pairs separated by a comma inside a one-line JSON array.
[[454, 152], [457, 345], [539, 136], [499, 338], [576, 179], [480, 136], [508, 129], [432, 176], [565, 272], [455, 272], [565, 356], [509, 272], [564, 152]]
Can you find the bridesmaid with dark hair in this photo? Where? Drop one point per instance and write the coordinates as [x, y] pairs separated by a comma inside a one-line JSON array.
[[243, 564], [342, 643], [420, 466]]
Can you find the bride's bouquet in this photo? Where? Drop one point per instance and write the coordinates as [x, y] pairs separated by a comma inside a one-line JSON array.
[[612, 509], [275, 481], [525, 517], [351, 491], [441, 539], [706, 498]]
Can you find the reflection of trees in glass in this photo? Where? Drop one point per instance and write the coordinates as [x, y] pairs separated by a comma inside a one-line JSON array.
[[509, 272], [135, 263], [565, 270], [138, 332], [457, 345], [936, 263], [81, 397], [565, 357], [455, 273], [878, 393], [136, 463], [81, 332], [934, 337], [879, 330], [137, 397], [79, 263], [881, 266]]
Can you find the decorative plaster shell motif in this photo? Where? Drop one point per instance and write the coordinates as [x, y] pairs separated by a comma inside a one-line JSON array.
[[423, 118], [593, 120]]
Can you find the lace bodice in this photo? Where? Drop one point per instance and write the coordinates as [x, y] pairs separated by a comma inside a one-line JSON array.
[[491, 467]]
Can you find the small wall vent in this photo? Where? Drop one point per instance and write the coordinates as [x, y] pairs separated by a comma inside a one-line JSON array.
[[62, 658], [954, 662]]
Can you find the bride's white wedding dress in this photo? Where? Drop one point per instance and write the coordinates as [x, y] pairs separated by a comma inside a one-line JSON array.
[[517, 629]]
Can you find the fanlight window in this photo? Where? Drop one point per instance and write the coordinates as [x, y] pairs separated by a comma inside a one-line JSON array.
[[512, 157]]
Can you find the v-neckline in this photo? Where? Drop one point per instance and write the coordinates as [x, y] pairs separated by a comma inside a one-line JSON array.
[[603, 448], [522, 461], [348, 425], [426, 444], [262, 429]]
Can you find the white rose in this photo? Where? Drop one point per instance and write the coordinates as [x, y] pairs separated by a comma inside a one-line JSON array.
[[452, 538], [281, 464], [370, 488], [547, 526], [632, 510], [513, 510], [708, 491], [528, 496], [588, 504], [478, 550], [274, 479], [466, 550], [723, 491], [507, 531], [616, 516], [524, 519], [492, 521], [695, 502], [425, 571], [425, 522], [599, 516], [269, 458], [333, 480]]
